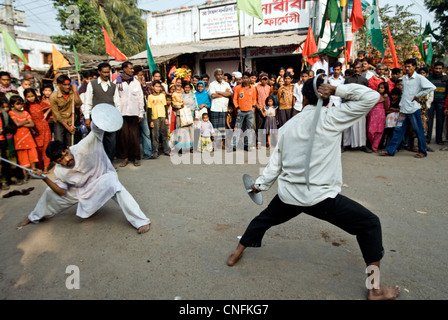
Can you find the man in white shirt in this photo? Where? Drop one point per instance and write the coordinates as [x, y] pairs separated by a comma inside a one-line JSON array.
[[132, 107], [102, 90], [86, 178], [323, 199], [220, 93], [414, 87], [297, 92], [336, 79], [322, 63]]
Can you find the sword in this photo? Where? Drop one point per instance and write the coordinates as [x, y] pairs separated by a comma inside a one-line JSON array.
[[313, 130], [42, 176]]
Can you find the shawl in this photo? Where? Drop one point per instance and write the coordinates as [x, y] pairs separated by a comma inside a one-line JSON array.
[[202, 97]]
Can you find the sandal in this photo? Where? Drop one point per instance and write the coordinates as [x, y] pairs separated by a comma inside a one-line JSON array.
[[420, 155], [136, 163], [124, 163], [384, 154]]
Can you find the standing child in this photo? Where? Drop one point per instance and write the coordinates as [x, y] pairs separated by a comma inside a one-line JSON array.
[[230, 125], [159, 119], [392, 114], [207, 132], [36, 110], [7, 150], [270, 125], [23, 140], [376, 118]]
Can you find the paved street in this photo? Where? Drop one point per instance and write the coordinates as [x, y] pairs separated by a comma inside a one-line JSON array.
[[198, 211]]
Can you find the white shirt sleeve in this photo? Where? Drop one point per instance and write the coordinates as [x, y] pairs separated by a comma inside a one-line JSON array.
[[86, 108]]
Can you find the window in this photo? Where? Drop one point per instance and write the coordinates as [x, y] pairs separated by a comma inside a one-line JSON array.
[[46, 58]]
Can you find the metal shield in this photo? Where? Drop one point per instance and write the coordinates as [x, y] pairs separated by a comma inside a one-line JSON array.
[[248, 181], [107, 117]]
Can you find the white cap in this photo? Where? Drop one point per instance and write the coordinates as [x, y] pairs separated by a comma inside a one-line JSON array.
[[237, 74]]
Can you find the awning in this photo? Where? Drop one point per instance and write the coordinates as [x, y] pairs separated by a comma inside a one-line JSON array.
[[164, 53]]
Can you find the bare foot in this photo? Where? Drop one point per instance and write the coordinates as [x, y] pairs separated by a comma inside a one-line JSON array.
[[235, 255], [383, 293], [143, 229], [23, 223]]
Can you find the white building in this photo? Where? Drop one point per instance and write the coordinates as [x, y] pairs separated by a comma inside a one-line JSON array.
[[37, 48], [205, 37]]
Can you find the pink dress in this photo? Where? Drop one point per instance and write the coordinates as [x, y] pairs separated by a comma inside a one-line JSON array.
[[376, 120]]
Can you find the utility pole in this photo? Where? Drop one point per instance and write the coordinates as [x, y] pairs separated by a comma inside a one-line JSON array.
[[9, 18]]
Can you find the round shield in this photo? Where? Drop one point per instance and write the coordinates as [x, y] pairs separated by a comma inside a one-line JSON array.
[[107, 117], [248, 181]]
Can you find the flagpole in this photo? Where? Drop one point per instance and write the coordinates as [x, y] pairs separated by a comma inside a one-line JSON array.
[[239, 40]]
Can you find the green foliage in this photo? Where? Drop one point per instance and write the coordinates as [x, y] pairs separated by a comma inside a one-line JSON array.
[[121, 18], [404, 30], [440, 10]]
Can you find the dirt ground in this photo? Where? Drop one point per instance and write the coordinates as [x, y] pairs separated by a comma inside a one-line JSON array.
[[198, 211]]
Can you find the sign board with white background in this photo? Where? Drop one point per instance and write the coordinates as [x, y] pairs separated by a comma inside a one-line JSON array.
[[281, 15]]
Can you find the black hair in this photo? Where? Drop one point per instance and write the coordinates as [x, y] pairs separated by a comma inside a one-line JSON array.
[[319, 71], [254, 74], [288, 74], [422, 69], [438, 63], [276, 85], [270, 97], [154, 72], [137, 69], [55, 149], [411, 61], [204, 115], [185, 83], [62, 78], [386, 87], [168, 96], [395, 91], [103, 65], [349, 72], [126, 64], [273, 76], [4, 73], [156, 82], [228, 75], [245, 73], [204, 75], [26, 91], [308, 91], [305, 72], [396, 70], [14, 99], [337, 64], [197, 77]]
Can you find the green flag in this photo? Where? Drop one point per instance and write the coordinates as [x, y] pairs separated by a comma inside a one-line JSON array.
[[251, 7], [331, 13], [75, 55], [429, 54], [337, 41], [374, 29], [12, 47], [151, 63]]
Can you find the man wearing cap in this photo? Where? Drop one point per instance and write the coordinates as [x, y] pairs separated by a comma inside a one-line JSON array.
[[86, 177], [63, 102], [322, 199]]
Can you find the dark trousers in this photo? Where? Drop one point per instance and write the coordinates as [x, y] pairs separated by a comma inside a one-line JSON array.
[[128, 139], [160, 128], [284, 115], [436, 110], [340, 211], [109, 143], [62, 134]]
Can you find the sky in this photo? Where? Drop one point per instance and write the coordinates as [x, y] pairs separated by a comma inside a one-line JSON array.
[[41, 16]]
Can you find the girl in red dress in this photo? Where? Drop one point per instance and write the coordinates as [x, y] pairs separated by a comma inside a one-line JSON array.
[[23, 140], [37, 111]]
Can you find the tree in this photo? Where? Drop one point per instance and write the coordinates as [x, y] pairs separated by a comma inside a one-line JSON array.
[[121, 18], [440, 9], [404, 30]]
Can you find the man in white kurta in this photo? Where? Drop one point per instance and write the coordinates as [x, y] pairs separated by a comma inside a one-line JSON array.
[[322, 200], [89, 181]]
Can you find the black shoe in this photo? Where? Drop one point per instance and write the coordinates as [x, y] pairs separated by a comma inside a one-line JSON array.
[[366, 150]]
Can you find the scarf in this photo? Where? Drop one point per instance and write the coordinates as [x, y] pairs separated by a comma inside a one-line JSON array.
[[123, 77], [11, 88], [202, 97]]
